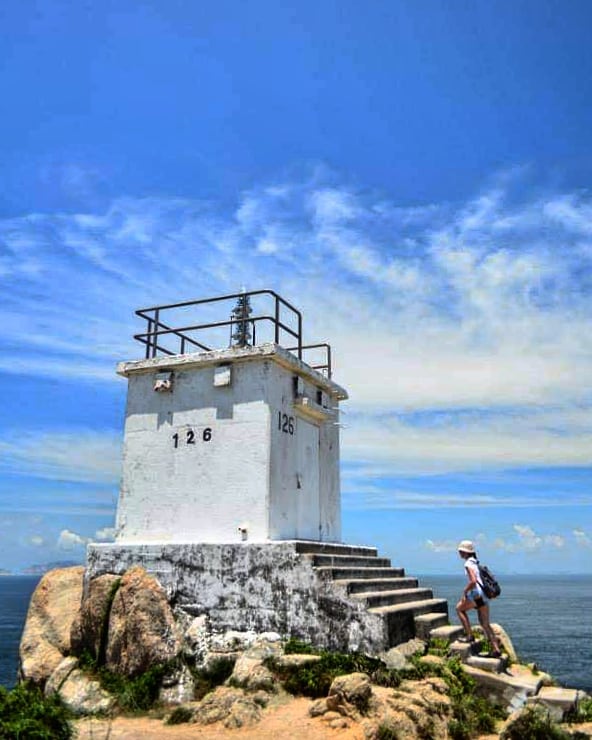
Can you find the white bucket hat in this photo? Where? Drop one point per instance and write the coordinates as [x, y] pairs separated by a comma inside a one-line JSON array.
[[466, 546]]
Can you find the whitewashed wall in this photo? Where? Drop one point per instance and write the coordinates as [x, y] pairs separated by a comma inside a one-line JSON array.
[[244, 464]]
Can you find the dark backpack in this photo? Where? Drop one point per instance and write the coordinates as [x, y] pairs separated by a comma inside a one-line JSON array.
[[491, 587]]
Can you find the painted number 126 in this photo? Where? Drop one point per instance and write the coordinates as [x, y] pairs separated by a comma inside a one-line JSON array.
[[190, 437], [285, 423]]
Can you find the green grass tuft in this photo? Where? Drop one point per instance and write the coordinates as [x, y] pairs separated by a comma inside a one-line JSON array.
[[315, 679], [534, 724], [137, 694], [438, 646], [179, 715], [294, 645], [207, 679], [386, 732]]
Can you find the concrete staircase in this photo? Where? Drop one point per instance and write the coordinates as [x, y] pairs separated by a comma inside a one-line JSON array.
[[505, 681], [359, 575]]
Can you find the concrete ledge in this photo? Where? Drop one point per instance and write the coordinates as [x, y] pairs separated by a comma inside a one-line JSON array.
[[270, 351], [510, 691], [558, 701]]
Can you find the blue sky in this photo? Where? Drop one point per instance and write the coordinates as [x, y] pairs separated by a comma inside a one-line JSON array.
[[414, 175]]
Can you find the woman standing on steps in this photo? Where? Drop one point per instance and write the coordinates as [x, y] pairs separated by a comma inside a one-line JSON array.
[[474, 598]]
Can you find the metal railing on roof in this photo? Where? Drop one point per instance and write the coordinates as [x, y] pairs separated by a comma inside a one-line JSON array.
[[160, 328]]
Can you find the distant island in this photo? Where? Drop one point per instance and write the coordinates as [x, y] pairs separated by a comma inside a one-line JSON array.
[[39, 569]]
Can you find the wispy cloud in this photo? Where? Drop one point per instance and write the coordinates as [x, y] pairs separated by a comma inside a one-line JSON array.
[[440, 442], [523, 538], [358, 497], [69, 540], [460, 330], [80, 456], [582, 538]]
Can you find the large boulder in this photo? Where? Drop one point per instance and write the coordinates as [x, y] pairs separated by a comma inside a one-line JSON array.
[[353, 689], [90, 628], [142, 629], [416, 710], [251, 674], [230, 706], [46, 636]]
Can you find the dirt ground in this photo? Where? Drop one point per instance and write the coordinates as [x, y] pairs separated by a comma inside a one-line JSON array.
[[286, 720]]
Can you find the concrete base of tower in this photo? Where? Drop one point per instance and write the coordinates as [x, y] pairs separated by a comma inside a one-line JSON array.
[[294, 588]]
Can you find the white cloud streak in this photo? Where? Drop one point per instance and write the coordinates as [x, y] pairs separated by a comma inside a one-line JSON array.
[[81, 456], [475, 315], [69, 540]]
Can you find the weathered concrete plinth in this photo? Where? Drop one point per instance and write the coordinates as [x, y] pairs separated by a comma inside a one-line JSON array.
[[274, 586]]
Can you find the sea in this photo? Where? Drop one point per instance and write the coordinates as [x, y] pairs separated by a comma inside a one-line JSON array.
[[549, 619]]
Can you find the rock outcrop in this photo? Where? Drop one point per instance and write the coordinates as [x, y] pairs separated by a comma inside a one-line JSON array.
[[415, 710], [142, 631], [46, 636], [233, 707], [76, 638]]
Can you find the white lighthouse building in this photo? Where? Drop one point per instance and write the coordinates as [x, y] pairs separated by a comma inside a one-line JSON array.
[[230, 490], [229, 446]]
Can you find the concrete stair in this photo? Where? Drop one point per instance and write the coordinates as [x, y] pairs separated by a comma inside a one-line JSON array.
[[406, 609], [390, 598], [341, 574], [426, 623], [507, 682], [349, 561], [361, 585], [470, 653]]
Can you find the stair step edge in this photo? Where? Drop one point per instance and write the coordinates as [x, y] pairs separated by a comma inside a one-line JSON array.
[[408, 606], [394, 592]]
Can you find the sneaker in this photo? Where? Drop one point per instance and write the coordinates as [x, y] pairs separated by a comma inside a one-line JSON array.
[[466, 639]]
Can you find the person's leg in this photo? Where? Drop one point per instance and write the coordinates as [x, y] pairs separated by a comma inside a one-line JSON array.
[[483, 614], [462, 608]]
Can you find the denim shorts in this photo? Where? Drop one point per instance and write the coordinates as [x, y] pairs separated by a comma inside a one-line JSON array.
[[477, 595]]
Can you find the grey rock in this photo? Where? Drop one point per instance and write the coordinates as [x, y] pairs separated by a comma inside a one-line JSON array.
[[395, 660], [353, 688], [412, 647], [178, 688], [510, 690], [228, 705], [61, 673], [250, 673]]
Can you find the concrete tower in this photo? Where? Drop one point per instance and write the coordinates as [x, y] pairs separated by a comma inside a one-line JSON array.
[[231, 445]]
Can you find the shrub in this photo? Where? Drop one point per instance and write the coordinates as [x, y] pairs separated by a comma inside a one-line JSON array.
[[136, 694], [206, 679], [26, 714], [294, 645], [583, 712], [179, 715], [534, 724], [315, 679], [438, 646], [386, 732]]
